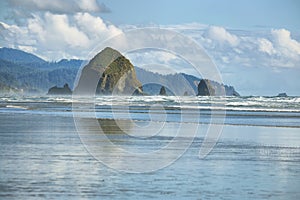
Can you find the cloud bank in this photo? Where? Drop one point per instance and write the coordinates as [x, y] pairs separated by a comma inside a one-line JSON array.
[[274, 48], [56, 6], [54, 36], [261, 62]]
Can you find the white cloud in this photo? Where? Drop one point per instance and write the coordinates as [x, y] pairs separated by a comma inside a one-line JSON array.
[[239, 48], [29, 49], [160, 61], [89, 5], [57, 6], [265, 46], [283, 41], [55, 36], [187, 26], [95, 26], [52, 30], [273, 49], [152, 57], [221, 35]]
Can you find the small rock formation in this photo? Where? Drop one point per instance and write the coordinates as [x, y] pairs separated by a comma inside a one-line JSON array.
[[205, 88], [186, 93], [162, 91], [282, 95], [60, 91], [212, 88], [109, 72]]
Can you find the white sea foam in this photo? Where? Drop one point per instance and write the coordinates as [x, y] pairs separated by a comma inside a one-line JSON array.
[[17, 107], [274, 111], [268, 104]]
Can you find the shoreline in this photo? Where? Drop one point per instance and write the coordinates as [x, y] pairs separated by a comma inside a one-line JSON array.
[[69, 114]]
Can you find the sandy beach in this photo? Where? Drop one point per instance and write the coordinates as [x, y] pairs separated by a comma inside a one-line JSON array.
[[43, 157]]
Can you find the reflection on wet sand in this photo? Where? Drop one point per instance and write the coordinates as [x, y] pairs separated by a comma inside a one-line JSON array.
[[131, 146], [43, 157], [112, 126]]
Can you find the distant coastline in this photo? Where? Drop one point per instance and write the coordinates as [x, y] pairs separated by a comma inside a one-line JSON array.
[[25, 73]]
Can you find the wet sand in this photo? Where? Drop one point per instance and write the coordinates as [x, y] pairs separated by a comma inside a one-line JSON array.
[[42, 156]]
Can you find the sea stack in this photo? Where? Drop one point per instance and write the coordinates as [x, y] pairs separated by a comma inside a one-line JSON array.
[[282, 95], [109, 72], [60, 91], [163, 91]]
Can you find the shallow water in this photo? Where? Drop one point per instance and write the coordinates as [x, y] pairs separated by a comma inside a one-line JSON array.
[[42, 156]]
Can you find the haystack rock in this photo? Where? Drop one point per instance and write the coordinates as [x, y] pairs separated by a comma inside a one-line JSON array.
[[109, 72]]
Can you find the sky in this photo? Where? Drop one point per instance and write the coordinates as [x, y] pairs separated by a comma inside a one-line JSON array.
[[254, 44], [229, 13]]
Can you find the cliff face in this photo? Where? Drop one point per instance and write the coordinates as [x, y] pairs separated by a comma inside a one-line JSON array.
[[115, 74], [211, 88]]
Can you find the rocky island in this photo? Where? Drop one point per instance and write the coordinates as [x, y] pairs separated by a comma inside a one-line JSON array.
[[282, 95], [111, 73], [114, 75], [163, 91], [60, 91]]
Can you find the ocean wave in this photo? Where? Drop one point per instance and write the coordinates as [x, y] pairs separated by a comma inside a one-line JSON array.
[[268, 104], [16, 107]]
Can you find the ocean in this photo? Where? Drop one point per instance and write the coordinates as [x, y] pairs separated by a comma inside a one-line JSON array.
[[149, 147]]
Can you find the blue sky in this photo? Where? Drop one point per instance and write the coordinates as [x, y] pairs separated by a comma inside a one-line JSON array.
[[229, 13], [254, 44]]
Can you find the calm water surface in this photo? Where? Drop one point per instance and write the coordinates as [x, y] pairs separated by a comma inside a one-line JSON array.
[[42, 156]]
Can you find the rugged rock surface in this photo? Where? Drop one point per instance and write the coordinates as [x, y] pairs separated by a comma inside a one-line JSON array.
[[23, 72], [205, 88], [163, 91], [60, 91], [113, 72], [282, 95], [212, 88]]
